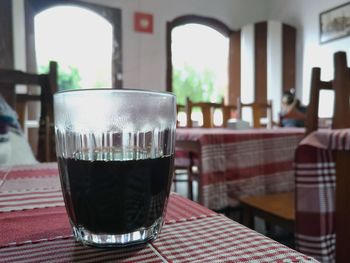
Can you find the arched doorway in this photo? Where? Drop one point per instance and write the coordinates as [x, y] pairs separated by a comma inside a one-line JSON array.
[[112, 15], [34, 8], [199, 63], [199, 60], [72, 43]]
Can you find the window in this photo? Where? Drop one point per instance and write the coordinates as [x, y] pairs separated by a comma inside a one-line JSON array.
[[110, 18], [88, 16], [80, 41], [198, 63]]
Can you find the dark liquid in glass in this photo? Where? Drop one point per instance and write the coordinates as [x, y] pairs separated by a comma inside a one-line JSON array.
[[115, 197]]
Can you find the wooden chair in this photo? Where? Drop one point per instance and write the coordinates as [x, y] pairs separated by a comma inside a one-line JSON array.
[[48, 86], [341, 119], [207, 109], [341, 102], [260, 110], [182, 172], [279, 208], [342, 219], [179, 108], [187, 174], [228, 112]]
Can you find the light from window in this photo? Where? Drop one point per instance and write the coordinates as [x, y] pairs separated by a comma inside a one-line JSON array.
[[80, 41], [200, 63], [200, 66], [326, 104]]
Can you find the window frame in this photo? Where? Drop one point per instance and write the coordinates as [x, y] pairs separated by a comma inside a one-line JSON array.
[[234, 45], [112, 15]]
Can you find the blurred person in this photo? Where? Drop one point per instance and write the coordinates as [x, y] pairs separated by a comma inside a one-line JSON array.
[[293, 112]]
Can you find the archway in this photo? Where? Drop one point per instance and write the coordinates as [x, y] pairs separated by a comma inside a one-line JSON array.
[[35, 7], [112, 15], [71, 36], [198, 59]]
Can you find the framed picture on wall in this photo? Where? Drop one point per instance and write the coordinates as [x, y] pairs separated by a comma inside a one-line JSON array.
[[335, 23]]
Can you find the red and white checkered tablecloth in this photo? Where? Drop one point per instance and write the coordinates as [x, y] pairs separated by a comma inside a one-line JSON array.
[[238, 163], [315, 192], [34, 227]]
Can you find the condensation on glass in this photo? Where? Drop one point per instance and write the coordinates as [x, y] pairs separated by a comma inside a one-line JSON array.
[[115, 151]]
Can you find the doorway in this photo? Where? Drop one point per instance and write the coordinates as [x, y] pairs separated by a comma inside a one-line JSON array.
[[108, 17], [71, 36], [198, 62]]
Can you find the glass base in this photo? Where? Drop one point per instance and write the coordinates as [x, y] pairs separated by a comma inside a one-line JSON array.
[[142, 235]]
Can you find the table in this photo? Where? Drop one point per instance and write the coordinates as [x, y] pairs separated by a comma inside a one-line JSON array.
[[315, 175], [34, 227], [238, 163]]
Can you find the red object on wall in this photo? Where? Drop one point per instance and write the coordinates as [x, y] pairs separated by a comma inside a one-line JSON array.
[[143, 22]]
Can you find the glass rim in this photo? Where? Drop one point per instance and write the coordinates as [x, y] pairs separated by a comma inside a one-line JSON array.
[[136, 91]]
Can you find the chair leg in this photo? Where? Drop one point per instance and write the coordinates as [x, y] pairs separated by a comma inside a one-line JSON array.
[[240, 215], [190, 177], [190, 185], [174, 185], [268, 227], [248, 217]]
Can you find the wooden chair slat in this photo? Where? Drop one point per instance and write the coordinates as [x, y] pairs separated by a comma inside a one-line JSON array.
[[48, 86]]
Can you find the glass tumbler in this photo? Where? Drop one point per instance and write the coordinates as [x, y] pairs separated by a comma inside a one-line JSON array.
[[115, 151]]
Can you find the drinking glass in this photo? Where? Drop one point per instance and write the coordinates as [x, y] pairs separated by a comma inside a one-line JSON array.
[[115, 151]]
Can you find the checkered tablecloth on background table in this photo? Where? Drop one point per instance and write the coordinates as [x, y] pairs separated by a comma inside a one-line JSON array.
[[315, 192], [34, 228], [238, 163]]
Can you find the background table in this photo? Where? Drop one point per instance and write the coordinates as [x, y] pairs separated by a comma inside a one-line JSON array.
[[315, 192], [237, 163], [34, 227]]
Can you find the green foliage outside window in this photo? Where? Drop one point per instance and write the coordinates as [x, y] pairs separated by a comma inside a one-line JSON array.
[[198, 86], [68, 78]]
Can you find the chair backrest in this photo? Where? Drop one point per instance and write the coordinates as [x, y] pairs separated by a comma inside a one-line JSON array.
[[179, 108], [228, 112], [208, 110], [260, 110], [48, 86], [341, 87], [341, 119]]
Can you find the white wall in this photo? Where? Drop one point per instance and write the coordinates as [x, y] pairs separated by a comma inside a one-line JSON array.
[[144, 61], [144, 55], [304, 15]]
